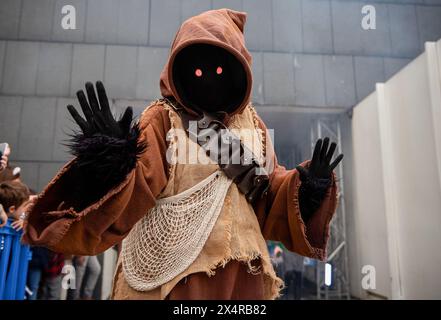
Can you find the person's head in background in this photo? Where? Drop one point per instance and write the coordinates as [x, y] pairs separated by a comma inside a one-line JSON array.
[[10, 173], [14, 197]]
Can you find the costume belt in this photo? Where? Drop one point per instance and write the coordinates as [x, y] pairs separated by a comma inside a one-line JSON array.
[[249, 175]]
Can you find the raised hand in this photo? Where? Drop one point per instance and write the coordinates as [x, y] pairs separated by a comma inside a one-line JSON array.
[[105, 149], [320, 166], [4, 157], [316, 179], [99, 118]]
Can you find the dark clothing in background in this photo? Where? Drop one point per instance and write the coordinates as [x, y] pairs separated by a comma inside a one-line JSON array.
[[55, 265], [40, 258], [37, 265], [294, 284], [293, 275]]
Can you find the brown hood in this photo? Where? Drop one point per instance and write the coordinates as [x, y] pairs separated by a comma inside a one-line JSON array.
[[223, 28]]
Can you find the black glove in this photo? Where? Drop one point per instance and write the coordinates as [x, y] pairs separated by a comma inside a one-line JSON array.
[[316, 179], [106, 150], [99, 118]]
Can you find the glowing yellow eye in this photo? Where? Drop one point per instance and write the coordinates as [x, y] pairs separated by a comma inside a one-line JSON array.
[[219, 70], [198, 73]]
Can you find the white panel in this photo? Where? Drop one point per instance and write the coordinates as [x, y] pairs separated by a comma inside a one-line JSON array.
[[416, 194], [397, 181], [434, 72], [369, 215], [389, 189]]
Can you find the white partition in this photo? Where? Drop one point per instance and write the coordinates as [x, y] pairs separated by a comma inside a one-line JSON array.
[[397, 181], [369, 203]]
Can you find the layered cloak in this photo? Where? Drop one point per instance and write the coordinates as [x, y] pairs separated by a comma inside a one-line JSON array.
[[55, 222]]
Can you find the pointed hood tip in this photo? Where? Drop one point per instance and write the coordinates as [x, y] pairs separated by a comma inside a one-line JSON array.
[[221, 27]]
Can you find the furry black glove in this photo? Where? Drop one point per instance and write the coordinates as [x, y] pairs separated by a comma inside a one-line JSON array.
[[106, 150]]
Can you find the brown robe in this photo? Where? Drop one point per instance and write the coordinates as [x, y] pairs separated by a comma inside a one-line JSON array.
[[107, 221]]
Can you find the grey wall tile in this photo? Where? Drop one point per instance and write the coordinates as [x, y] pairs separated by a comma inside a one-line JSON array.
[[150, 64], [165, 17], [309, 80], [102, 21], [20, 74], [71, 35], [36, 19], [36, 137], [429, 24], [87, 65], [230, 4], [64, 126], [257, 71], [287, 25], [258, 28], [404, 31], [317, 35], [393, 65], [120, 71], [54, 69], [368, 71], [378, 41], [278, 78], [9, 18], [339, 79], [404, 2], [433, 2], [2, 57], [133, 22], [28, 173], [346, 19], [192, 8], [46, 172], [138, 107], [351, 38], [10, 108]]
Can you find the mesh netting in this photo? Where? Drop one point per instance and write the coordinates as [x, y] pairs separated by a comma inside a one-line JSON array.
[[170, 237]]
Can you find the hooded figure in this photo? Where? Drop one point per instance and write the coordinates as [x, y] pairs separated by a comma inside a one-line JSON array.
[[188, 231]]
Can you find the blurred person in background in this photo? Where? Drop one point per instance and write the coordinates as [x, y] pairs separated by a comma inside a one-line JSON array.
[[10, 173], [293, 274], [15, 199], [7, 172], [288, 266], [5, 175], [87, 272], [276, 255], [37, 266], [50, 288]]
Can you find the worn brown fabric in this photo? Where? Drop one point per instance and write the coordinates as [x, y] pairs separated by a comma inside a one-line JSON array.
[[236, 235], [234, 282], [102, 224], [279, 213]]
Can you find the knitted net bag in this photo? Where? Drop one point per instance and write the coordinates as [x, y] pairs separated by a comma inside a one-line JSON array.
[[172, 234]]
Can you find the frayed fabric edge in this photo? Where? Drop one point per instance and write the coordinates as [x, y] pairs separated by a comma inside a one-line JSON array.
[[276, 285]]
